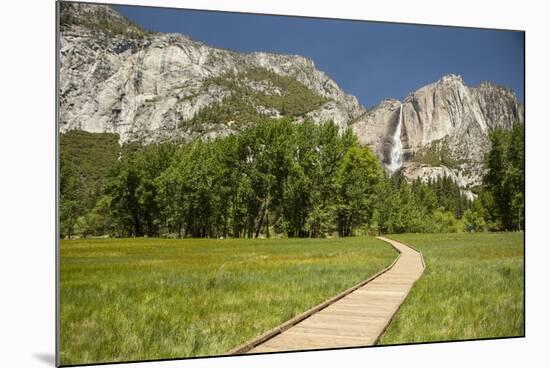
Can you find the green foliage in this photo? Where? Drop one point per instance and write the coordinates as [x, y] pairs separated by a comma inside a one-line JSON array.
[[85, 160], [474, 220], [278, 175], [357, 181], [505, 178], [277, 178], [435, 206], [92, 153], [500, 202], [189, 190], [284, 94], [296, 99], [133, 189], [437, 153], [70, 194], [234, 108], [98, 221], [446, 222], [449, 196]]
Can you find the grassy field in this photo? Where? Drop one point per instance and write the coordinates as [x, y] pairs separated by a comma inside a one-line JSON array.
[[137, 299], [472, 288]]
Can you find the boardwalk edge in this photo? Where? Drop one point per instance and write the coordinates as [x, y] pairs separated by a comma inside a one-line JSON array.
[[412, 286], [249, 345]]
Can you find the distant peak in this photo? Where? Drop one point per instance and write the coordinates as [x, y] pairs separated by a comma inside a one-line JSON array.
[[78, 10], [449, 78], [298, 59], [390, 101], [492, 85], [387, 103], [96, 17]]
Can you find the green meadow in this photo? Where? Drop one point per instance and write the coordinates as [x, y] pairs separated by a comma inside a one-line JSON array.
[[148, 298], [472, 287]]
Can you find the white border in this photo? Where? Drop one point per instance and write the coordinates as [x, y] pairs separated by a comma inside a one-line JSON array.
[[27, 132]]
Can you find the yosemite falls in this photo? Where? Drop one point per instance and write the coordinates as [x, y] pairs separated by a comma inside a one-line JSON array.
[[396, 152]]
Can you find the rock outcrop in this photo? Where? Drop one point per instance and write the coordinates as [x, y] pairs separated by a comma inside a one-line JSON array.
[[115, 77], [446, 128]]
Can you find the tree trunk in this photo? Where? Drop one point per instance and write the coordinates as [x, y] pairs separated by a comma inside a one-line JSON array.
[[267, 218], [258, 223], [267, 224], [137, 226]]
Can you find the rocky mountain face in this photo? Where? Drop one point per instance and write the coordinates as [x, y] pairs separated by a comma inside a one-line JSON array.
[[445, 128], [116, 77]]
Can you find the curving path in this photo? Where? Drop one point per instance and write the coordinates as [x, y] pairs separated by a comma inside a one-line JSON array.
[[355, 319]]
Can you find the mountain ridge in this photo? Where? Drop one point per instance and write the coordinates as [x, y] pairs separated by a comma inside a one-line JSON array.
[[158, 65], [150, 87], [446, 127]]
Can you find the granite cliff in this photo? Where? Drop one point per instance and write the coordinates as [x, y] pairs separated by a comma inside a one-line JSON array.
[[445, 128], [116, 77]]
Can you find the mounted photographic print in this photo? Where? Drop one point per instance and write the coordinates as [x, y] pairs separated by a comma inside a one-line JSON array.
[[234, 183]]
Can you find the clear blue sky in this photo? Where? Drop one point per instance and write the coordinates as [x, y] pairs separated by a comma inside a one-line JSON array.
[[372, 61]]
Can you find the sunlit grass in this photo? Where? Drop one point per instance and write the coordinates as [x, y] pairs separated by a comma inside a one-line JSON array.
[[472, 287], [141, 299]]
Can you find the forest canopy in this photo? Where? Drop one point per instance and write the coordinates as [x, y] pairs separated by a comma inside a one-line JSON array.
[[278, 178]]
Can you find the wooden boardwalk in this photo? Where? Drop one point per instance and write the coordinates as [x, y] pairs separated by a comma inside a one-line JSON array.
[[356, 319]]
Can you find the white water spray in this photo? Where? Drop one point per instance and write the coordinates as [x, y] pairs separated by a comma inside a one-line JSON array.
[[396, 152]]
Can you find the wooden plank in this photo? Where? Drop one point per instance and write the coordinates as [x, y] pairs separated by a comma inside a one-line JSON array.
[[356, 317], [293, 341], [286, 325]]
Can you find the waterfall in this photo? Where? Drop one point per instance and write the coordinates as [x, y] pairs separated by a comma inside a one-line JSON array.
[[396, 152]]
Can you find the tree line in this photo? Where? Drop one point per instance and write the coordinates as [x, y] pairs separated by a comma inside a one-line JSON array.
[[277, 178], [502, 200]]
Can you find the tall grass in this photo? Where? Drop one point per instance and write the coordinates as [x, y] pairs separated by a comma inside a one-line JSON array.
[[472, 288], [141, 299]]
